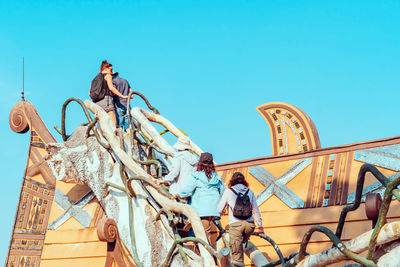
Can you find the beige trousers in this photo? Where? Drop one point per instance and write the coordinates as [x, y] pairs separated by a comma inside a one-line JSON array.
[[239, 233], [210, 228]]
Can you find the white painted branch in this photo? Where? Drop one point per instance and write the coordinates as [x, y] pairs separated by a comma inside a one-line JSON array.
[[151, 132], [224, 261], [109, 132], [256, 257], [389, 232], [390, 259], [144, 116]]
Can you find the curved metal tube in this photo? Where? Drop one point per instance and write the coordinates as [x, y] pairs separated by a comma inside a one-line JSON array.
[[131, 229], [274, 245], [129, 194], [360, 184], [131, 93], [128, 110], [336, 241], [130, 121], [137, 128], [90, 120], [151, 162], [63, 110], [90, 125], [149, 142], [135, 132], [278, 262], [387, 199], [188, 239], [220, 228], [160, 189], [173, 220]]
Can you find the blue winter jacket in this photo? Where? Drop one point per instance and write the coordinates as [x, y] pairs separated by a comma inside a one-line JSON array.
[[205, 193]]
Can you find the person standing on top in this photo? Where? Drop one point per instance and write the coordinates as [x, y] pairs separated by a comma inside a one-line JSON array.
[[242, 205], [205, 188], [120, 104], [102, 88], [184, 164]]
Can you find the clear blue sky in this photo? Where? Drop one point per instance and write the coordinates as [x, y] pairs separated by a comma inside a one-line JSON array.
[[205, 65]]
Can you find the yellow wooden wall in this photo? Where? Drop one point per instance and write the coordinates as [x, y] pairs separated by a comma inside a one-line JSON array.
[[72, 244], [313, 184]]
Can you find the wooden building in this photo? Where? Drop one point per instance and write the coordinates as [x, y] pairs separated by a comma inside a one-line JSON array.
[[300, 185]]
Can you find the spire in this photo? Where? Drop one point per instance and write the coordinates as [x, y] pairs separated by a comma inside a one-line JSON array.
[[23, 79]]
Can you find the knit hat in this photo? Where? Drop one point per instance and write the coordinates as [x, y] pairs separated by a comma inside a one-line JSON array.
[[206, 158], [183, 143]]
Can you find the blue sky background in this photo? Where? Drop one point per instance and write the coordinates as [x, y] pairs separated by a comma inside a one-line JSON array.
[[206, 65]]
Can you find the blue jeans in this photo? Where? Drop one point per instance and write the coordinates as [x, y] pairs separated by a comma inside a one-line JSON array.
[[120, 114]]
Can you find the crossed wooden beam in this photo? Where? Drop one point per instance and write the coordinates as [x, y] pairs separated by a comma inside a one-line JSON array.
[[71, 209], [386, 157], [277, 186]]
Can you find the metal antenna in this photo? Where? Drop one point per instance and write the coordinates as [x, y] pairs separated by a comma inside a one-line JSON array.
[[23, 79]]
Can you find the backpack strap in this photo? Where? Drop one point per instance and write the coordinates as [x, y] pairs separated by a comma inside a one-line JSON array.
[[246, 192], [234, 191]]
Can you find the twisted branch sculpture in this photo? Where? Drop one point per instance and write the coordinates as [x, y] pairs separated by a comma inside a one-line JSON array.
[[109, 133]]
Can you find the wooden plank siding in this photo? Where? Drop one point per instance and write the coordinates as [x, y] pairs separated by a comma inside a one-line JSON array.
[[324, 185]]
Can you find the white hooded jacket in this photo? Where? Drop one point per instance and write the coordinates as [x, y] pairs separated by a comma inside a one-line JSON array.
[[184, 165], [229, 199]]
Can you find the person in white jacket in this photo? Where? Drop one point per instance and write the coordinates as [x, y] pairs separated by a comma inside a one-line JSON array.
[[183, 166], [240, 230]]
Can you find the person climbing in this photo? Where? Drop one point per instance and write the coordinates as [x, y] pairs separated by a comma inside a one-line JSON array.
[[242, 205], [205, 188], [183, 166], [120, 104], [102, 88]]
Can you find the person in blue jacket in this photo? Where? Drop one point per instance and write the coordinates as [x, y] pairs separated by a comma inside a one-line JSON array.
[[120, 104], [205, 188]]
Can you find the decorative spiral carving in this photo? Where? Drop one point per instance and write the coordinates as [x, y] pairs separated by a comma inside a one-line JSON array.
[[18, 121], [107, 230]]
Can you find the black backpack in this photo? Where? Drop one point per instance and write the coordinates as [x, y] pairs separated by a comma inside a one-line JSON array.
[[243, 209], [97, 90]]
